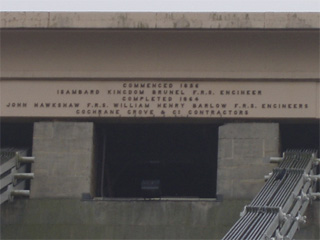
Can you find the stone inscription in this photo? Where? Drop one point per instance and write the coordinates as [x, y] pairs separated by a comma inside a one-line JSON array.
[[176, 99]]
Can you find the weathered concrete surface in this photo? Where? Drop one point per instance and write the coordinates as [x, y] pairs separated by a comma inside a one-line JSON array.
[[73, 219], [311, 230], [161, 20], [64, 159], [242, 149]]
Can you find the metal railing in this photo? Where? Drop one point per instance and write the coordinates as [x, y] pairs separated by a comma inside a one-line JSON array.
[[13, 174], [277, 211]]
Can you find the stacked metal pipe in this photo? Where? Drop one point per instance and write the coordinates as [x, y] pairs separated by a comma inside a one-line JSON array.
[[277, 210], [13, 173]]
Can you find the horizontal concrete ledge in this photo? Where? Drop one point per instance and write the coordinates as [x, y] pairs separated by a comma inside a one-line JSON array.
[[151, 74], [174, 199], [161, 20]]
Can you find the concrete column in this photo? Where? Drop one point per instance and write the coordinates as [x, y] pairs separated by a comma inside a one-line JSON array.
[[64, 159], [242, 152]]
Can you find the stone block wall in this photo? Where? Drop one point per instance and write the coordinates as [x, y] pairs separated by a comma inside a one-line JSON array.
[[64, 159], [243, 150]]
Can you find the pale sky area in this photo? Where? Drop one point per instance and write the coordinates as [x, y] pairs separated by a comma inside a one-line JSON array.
[[162, 5]]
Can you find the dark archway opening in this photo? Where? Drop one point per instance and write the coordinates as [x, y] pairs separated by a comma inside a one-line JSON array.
[[299, 136], [17, 135], [157, 160]]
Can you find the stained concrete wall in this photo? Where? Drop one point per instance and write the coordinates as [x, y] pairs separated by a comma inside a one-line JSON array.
[[64, 159], [73, 219], [310, 230], [242, 152]]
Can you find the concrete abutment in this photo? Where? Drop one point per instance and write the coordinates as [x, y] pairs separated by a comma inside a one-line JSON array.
[[65, 152], [65, 159], [242, 158], [64, 169]]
